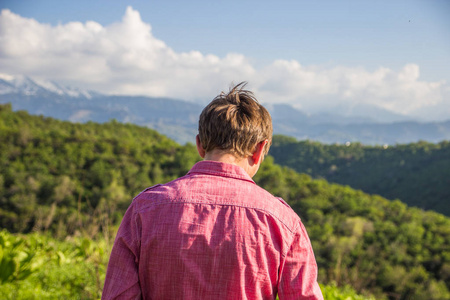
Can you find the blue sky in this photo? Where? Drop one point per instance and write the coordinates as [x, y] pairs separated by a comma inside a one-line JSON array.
[[403, 42]]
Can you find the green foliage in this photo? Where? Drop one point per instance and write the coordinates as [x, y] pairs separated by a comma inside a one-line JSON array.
[[341, 293], [75, 269], [416, 173], [68, 178], [45, 268], [376, 246], [15, 259]]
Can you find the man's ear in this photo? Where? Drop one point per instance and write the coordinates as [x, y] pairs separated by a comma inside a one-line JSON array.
[[258, 155], [200, 149]]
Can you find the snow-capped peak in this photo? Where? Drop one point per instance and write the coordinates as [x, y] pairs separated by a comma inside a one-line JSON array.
[[20, 84]]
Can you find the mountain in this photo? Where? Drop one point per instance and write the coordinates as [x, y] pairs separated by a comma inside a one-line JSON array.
[[178, 119], [330, 129], [416, 173], [360, 113], [23, 85], [174, 118]]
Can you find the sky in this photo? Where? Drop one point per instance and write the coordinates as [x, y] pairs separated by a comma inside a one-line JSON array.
[[315, 55]]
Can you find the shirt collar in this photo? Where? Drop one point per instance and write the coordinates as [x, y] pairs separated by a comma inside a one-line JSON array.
[[220, 169]]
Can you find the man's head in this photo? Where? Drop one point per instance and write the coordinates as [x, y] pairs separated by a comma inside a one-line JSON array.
[[235, 123]]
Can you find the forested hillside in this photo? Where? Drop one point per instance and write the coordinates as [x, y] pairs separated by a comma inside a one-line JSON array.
[[64, 177], [68, 179], [417, 173]]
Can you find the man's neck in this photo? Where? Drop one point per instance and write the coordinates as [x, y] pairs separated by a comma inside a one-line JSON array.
[[245, 163]]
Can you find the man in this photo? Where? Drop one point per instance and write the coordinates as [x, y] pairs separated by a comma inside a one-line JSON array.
[[214, 234]]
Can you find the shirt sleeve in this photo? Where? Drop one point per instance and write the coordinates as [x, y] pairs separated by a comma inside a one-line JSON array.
[[122, 275], [298, 279]]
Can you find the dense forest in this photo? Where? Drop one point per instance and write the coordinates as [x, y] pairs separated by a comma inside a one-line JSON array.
[[76, 180], [417, 173]]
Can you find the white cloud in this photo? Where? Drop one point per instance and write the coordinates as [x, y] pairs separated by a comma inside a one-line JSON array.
[[313, 88], [125, 58]]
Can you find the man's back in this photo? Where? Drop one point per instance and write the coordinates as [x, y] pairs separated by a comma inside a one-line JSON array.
[[212, 234]]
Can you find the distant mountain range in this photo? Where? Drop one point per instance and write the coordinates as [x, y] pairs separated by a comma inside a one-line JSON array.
[[178, 119]]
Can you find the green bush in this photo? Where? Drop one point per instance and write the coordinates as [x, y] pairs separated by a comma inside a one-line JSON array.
[[40, 267]]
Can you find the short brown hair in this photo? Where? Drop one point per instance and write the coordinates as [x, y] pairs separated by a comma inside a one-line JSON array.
[[235, 122]]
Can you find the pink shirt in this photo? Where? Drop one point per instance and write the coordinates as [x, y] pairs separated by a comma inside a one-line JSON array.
[[212, 234]]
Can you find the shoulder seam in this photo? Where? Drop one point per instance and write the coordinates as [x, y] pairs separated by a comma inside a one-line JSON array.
[[147, 189]]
